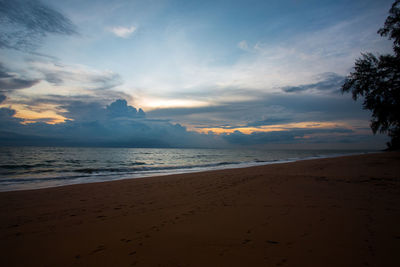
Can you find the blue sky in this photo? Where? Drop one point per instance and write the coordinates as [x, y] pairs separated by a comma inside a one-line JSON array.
[[212, 73]]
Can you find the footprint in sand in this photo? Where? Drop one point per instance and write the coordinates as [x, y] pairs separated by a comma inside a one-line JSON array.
[[246, 241], [98, 249]]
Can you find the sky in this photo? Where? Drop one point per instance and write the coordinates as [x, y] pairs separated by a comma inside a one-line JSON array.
[[160, 73]]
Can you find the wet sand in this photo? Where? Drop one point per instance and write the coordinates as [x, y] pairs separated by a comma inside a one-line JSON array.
[[327, 212]]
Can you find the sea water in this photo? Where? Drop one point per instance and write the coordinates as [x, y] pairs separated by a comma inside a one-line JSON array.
[[39, 167]]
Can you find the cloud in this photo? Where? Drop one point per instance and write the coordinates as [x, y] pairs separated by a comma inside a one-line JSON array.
[[329, 81], [12, 81], [74, 75], [78, 110], [270, 120], [243, 45], [95, 111], [8, 123], [25, 22], [120, 108], [15, 83], [281, 137], [336, 138], [123, 32], [6, 113], [54, 77]]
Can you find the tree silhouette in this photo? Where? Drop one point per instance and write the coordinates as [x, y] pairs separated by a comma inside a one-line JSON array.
[[377, 79]]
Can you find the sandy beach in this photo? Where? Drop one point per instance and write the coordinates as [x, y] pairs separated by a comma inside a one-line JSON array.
[[328, 212]]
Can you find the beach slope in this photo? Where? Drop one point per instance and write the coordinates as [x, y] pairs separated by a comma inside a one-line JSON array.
[[327, 212]]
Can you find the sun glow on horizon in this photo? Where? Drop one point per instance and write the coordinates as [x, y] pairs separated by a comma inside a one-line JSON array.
[[158, 103], [270, 128], [47, 113]]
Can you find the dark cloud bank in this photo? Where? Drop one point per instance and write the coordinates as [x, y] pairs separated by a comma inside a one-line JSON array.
[[121, 125], [116, 125]]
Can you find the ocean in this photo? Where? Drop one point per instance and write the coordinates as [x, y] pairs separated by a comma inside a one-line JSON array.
[[23, 168]]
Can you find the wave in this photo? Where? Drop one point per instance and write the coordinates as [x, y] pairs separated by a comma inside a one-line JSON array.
[[147, 168], [66, 174], [23, 166]]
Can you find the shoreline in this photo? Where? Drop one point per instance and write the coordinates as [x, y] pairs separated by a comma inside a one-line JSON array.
[[167, 172], [341, 211]]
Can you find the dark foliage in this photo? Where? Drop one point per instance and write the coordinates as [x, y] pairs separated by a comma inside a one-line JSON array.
[[377, 80], [392, 26]]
